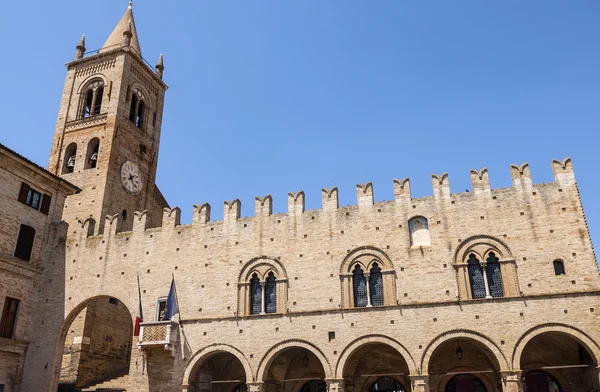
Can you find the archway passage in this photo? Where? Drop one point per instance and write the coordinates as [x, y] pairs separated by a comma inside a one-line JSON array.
[[98, 344], [295, 369], [557, 362], [220, 372], [376, 367], [463, 365]]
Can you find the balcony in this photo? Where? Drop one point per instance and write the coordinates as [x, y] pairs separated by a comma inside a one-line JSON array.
[[158, 334], [99, 119]]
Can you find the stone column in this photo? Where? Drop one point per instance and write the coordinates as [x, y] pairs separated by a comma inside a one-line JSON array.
[[256, 387], [511, 381], [485, 280], [335, 385], [420, 383]]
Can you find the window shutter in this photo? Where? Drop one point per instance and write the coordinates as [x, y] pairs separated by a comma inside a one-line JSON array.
[[23, 194], [46, 204], [25, 243]]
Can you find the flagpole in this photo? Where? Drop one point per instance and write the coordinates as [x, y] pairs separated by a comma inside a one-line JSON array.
[[177, 299]]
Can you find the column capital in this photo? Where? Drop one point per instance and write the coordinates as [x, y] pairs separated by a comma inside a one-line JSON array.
[[335, 385], [255, 386], [420, 383], [511, 380]]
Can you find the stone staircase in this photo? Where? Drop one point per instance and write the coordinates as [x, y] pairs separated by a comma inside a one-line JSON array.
[[117, 384]]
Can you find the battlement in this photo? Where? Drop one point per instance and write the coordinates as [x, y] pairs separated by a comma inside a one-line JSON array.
[[564, 177]]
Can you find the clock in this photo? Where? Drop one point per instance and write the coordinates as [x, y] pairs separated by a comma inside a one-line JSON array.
[[131, 178]]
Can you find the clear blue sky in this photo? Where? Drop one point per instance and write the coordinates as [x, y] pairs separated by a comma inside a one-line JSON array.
[[268, 97]]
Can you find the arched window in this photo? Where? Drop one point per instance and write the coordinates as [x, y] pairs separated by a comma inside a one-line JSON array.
[[262, 287], [476, 277], [92, 104], [494, 276], [255, 295], [271, 294], [138, 109], [387, 385], [486, 269], [360, 287], [367, 279], [92, 153], [69, 158], [419, 231], [465, 382], [559, 267], [376, 285]]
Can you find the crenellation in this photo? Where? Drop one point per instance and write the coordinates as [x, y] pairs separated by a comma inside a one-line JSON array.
[[480, 182], [171, 217], [563, 172], [232, 210], [112, 225], [441, 186], [140, 221], [364, 194], [263, 206], [296, 203], [330, 199], [87, 227], [402, 190], [201, 214], [521, 177]]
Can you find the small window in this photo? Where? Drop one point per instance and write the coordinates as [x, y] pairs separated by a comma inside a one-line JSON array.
[[113, 301], [92, 153], [271, 294], [9, 318], [559, 267], [34, 199], [70, 158], [476, 277], [138, 109], [92, 99], [419, 231], [360, 287], [255, 295], [25, 242], [161, 305], [376, 286]]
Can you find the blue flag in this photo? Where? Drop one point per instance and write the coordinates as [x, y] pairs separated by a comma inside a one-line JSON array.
[[172, 307]]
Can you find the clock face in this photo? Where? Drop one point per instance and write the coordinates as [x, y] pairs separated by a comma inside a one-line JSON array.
[[131, 178]]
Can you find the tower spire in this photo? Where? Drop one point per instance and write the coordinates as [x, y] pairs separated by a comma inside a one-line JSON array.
[[126, 26], [80, 49], [160, 66]]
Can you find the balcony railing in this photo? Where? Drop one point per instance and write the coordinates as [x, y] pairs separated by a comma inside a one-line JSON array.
[[92, 121], [158, 334]]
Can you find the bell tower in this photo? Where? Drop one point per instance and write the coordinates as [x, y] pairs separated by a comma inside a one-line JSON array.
[[107, 134]]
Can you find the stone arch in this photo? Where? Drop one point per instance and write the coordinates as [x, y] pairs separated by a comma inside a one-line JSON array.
[[481, 245], [272, 353], [462, 334], [365, 252], [269, 264], [71, 313], [205, 353], [578, 335], [356, 344], [90, 79]]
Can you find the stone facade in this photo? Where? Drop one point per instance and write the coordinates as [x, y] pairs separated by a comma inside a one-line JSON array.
[[455, 292], [20, 279]]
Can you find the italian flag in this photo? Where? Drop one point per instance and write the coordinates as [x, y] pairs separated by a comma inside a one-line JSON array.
[[140, 316]]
